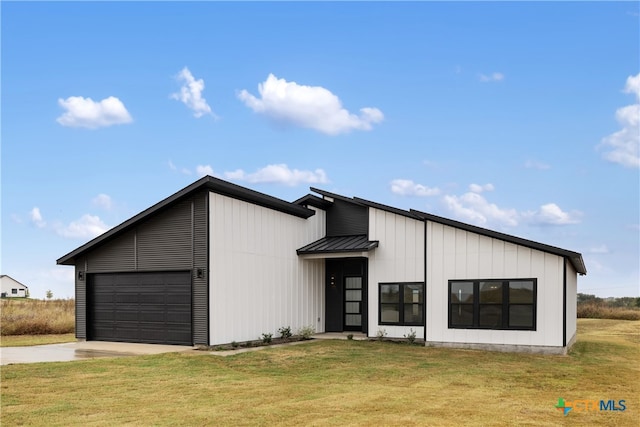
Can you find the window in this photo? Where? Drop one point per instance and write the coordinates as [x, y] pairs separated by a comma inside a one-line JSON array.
[[14, 291], [401, 304], [492, 304]]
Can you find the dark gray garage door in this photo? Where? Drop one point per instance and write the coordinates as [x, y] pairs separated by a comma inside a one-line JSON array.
[[140, 307]]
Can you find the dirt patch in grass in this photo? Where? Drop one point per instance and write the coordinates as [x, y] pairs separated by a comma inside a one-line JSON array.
[[334, 383]]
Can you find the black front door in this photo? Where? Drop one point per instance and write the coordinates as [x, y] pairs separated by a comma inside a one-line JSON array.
[[346, 295]]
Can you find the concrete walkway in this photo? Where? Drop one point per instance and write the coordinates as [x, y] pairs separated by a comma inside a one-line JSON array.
[[82, 350], [92, 349]]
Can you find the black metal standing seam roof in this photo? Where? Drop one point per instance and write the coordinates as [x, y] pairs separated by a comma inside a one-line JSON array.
[[359, 243], [574, 257], [206, 183]]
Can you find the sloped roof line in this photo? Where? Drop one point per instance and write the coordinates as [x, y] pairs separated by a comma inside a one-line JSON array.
[[205, 183], [19, 283], [574, 257]]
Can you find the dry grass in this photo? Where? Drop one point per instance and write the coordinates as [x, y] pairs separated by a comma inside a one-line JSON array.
[[335, 383], [595, 310], [36, 317]]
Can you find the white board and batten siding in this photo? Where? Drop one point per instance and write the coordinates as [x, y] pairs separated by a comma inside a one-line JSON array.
[[455, 254], [258, 284], [572, 303], [398, 258]]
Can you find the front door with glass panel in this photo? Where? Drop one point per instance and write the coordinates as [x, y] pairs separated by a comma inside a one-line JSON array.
[[353, 303]]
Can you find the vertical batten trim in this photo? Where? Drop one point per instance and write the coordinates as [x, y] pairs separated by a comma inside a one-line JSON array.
[[424, 308], [208, 268], [135, 249], [564, 302]]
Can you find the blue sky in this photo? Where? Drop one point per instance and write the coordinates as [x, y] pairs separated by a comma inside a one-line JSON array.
[[518, 117]]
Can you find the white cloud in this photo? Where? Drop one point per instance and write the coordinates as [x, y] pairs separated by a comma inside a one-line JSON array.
[[474, 208], [191, 94], [624, 145], [633, 85], [203, 170], [406, 187], [88, 226], [552, 214], [533, 164], [279, 174], [103, 201], [493, 77], [86, 113], [36, 218], [476, 188], [312, 107]]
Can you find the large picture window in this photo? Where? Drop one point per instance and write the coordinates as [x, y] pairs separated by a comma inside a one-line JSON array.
[[493, 304], [401, 304]]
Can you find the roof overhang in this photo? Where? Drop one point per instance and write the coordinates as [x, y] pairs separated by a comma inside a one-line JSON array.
[[338, 247], [209, 183]]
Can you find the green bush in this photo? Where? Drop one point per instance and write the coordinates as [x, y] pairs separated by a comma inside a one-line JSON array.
[[306, 332], [266, 338], [285, 332], [411, 336]]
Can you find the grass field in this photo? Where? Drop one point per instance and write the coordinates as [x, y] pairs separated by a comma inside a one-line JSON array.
[[336, 383], [27, 340], [22, 316]]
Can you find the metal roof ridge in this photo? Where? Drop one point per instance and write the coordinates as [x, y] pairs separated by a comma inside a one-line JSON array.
[[207, 182]]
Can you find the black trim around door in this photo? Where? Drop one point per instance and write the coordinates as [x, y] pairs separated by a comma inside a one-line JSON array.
[[336, 270]]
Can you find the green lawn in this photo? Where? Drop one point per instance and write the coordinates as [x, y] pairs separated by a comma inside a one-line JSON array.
[[28, 340], [336, 383]]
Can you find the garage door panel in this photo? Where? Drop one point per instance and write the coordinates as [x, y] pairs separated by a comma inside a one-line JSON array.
[[141, 307]]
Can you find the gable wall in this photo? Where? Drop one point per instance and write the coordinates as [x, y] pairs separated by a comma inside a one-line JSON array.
[[173, 239], [399, 257], [258, 284], [457, 254], [8, 283]]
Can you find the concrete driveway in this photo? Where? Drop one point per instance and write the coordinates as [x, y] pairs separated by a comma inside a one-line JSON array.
[[82, 350]]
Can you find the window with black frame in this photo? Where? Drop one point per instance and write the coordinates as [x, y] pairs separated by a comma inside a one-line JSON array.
[[493, 304], [401, 304]]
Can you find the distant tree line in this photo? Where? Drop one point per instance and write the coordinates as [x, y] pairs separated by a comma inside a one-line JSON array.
[[623, 302]]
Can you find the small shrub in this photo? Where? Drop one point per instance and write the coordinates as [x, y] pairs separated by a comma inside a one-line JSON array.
[[411, 336], [285, 332], [350, 337], [234, 344], [306, 332], [382, 332], [266, 338]]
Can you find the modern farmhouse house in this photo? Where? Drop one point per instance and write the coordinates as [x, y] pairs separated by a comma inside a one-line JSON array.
[[216, 263], [11, 288]]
